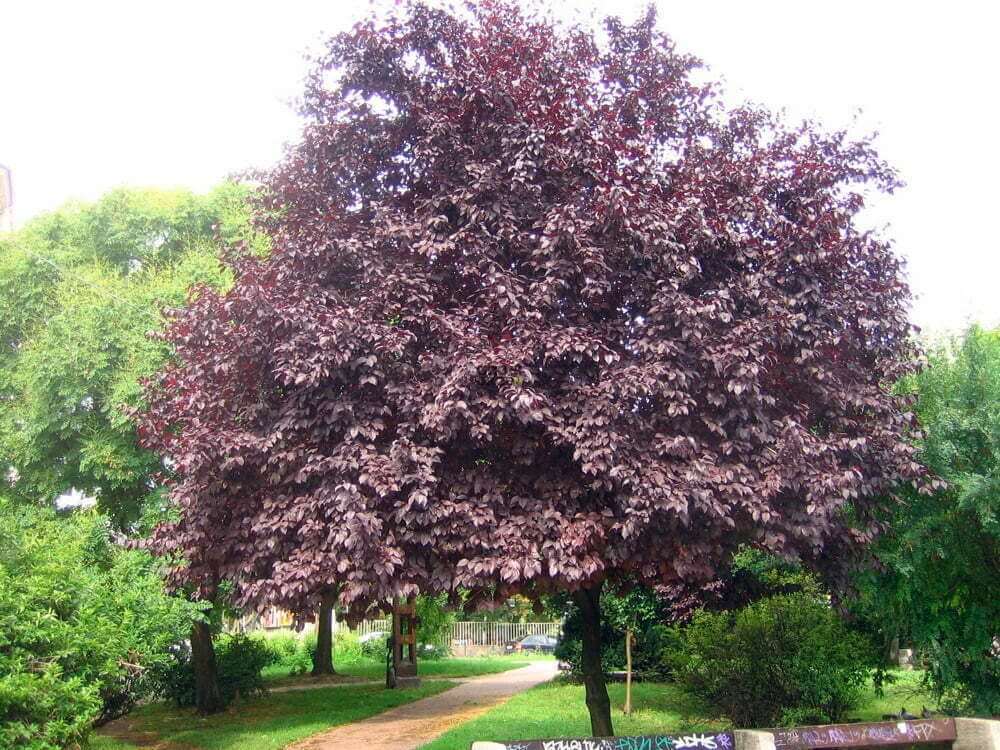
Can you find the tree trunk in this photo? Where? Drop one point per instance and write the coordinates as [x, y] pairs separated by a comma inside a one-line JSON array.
[[323, 658], [598, 702], [628, 671], [207, 696]]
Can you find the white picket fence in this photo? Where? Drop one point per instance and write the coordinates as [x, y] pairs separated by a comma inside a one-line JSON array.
[[372, 626], [499, 633]]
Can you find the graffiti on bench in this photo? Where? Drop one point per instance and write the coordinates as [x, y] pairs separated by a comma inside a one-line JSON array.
[[865, 735], [720, 741]]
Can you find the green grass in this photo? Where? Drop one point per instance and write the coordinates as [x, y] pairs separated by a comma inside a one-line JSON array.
[[472, 666], [558, 710], [271, 722], [907, 691]]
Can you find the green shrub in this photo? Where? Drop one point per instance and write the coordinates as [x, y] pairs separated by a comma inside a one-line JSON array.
[[346, 647], [374, 648], [281, 645], [239, 658], [83, 623], [42, 709], [786, 659], [432, 651]]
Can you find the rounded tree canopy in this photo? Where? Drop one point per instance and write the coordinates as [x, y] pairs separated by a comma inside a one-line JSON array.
[[541, 311]]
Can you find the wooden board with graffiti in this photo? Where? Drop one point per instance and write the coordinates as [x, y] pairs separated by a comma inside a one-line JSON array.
[[922, 732], [697, 741]]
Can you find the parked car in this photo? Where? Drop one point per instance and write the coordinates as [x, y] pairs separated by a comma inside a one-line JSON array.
[[544, 644]]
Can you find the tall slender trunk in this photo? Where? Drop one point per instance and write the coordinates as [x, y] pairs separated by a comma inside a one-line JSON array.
[[323, 658], [628, 671], [207, 696], [598, 702]]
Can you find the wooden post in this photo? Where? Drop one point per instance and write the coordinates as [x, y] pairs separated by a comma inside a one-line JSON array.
[[403, 664], [628, 671]]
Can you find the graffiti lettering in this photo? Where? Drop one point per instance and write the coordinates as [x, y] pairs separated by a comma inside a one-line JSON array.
[[923, 731], [722, 741], [863, 735], [696, 740]]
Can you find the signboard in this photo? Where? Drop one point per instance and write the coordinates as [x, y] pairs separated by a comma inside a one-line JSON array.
[[709, 741]]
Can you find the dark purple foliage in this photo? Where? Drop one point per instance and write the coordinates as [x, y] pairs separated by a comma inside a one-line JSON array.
[[540, 312]]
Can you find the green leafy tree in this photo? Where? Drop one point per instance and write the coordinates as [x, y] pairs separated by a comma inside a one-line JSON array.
[[80, 291], [83, 625], [937, 585]]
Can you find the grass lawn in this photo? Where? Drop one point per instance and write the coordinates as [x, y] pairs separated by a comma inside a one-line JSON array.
[[265, 723], [472, 666], [905, 692], [558, 710]]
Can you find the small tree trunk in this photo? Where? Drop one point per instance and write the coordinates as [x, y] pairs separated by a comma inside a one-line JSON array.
[[207, 696], [323, 658], [628, 671], [598, 702]]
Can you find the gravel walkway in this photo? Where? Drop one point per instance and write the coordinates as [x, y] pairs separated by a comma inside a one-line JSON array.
[[414, 724]]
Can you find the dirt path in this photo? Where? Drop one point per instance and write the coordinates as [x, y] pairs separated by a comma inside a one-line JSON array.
[[410, 726]]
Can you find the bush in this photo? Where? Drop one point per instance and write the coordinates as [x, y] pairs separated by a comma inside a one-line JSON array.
[[374, 648], [432, 651], [346, 647], [83, 624], [43, 709], [239, 658], [282, 645], [787, 659]]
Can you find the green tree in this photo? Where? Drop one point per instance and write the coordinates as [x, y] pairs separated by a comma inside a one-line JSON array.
[[941, 558], [80, 291], [83, 623]]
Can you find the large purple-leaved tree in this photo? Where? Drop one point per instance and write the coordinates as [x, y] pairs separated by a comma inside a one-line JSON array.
[[541, 313]]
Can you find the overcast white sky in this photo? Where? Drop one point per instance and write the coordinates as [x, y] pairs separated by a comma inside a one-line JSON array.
[[99, 94]]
